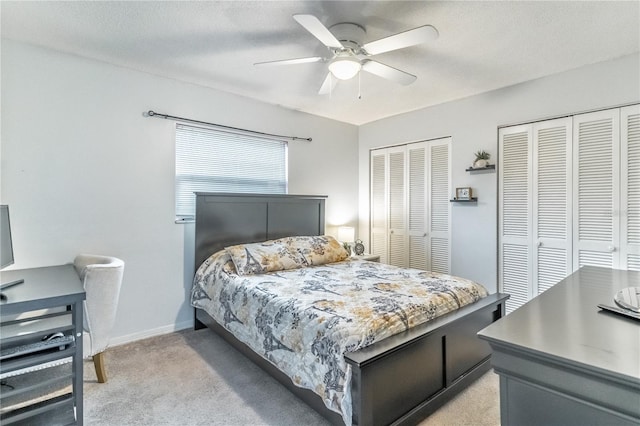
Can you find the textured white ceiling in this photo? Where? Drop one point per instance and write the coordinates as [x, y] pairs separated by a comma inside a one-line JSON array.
[[482, 45]]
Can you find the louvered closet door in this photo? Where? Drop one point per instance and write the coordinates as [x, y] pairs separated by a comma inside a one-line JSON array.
[[418, 253], [596, 162], [439, 207], [514, 260], [379, 204], [552, 159], [630, 188], [397, 236]]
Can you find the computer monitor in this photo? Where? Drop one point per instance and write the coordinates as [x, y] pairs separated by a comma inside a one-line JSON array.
[[6, 246]]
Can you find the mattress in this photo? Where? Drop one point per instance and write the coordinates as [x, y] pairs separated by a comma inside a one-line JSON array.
[[304, 320]]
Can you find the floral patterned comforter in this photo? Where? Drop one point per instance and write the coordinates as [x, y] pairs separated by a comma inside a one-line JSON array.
[[304, 320]]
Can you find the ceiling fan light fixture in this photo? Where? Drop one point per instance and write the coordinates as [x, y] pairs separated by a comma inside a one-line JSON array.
[[345, 67]]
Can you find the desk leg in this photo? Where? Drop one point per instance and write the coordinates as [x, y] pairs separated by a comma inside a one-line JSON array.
[[77, 363]]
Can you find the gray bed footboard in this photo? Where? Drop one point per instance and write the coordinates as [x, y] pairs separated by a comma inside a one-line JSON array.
[[406, 377]]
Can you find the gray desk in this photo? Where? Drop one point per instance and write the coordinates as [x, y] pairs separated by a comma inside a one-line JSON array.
[[563, 361], [43, 288]]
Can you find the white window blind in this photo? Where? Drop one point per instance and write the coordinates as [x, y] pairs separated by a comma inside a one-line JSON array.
[[209, 160]]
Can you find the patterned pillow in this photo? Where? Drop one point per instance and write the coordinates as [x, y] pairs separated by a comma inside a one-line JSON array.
[[319, 250], [285, 253], [268, 256]]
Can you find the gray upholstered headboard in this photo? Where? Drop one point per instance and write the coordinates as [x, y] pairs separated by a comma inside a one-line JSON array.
[[224, 219]]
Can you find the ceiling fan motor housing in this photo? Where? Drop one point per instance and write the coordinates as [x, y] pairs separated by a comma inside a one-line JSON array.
[[350, 35]]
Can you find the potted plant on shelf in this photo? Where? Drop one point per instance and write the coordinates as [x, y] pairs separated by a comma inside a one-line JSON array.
[[482, 159]]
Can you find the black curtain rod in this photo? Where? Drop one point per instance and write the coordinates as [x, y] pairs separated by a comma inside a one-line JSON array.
[[173, 117]]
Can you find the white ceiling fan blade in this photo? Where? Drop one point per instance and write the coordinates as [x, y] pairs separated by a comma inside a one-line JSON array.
[[402, 40], [319, 31], [390, 73], [292, 61], [328, 85]]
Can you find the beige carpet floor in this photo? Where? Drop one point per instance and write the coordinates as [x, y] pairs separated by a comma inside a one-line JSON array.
[[196, 378]]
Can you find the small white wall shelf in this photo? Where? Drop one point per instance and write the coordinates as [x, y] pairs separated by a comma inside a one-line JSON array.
[[471, 200]]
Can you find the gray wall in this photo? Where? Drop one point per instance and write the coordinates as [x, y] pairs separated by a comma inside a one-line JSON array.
[[84, 171], [473, 122]]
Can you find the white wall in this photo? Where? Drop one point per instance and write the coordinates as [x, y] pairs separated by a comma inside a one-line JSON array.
[[84, 171], [473, 122]]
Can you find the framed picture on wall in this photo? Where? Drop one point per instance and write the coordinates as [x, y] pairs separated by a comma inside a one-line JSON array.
[[463, 193]]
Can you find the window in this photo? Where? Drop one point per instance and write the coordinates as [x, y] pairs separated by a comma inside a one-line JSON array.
[[210, 160]]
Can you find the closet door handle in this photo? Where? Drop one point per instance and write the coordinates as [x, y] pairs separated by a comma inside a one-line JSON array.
[[611, 249], [539, 243]]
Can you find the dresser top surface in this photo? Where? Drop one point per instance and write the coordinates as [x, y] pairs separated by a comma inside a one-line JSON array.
[[565, 324], [41, 285]]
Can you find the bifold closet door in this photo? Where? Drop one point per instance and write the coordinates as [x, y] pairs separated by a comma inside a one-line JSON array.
[[378, 212], [418, 253], [388, 205], [429, 186], [439, 208], [552, 186], [630, 193], [397, 236], [596, 190], [535, 208], [514, 211]]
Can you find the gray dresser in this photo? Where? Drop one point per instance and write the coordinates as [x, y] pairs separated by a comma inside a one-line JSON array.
[[43, 289], [563, 361]]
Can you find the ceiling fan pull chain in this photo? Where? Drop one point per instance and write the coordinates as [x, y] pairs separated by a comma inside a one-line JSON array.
[[359, 85]]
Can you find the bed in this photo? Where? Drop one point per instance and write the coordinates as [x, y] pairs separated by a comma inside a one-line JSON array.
[[397, 379]]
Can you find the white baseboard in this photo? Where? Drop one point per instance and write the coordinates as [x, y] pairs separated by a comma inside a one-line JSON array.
[[121, 340]]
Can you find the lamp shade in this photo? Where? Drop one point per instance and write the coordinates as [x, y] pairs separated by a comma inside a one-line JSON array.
[[346, 234], [345, 67]]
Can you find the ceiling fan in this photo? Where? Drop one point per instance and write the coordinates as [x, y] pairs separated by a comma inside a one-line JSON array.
[[348, 55]]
